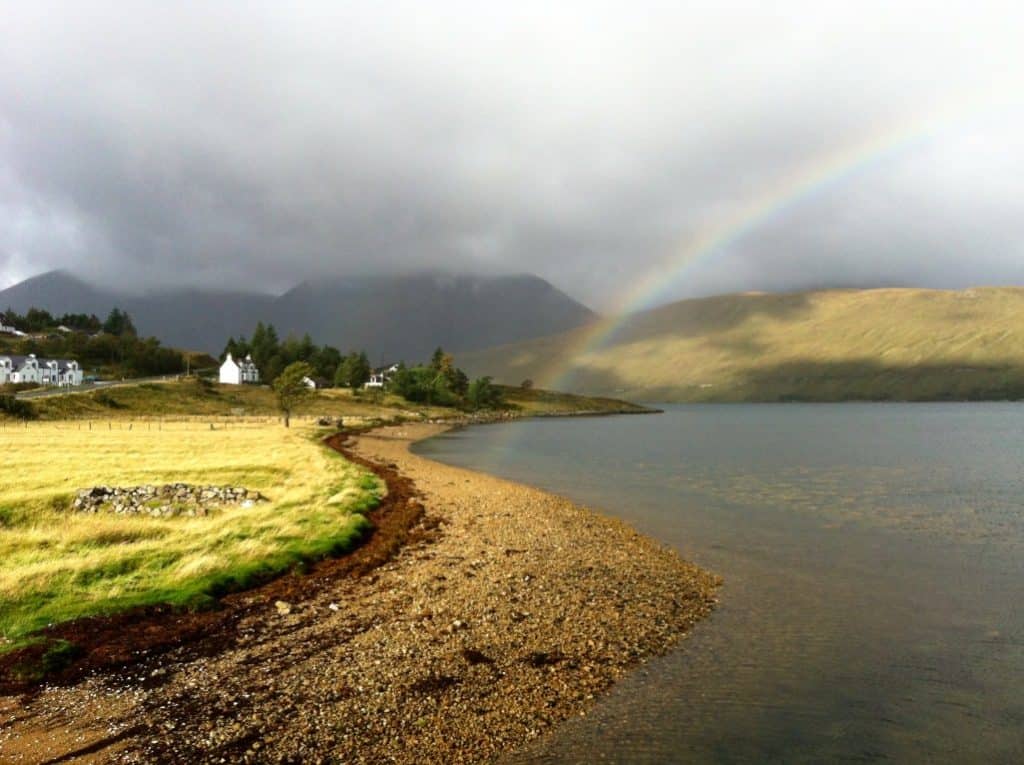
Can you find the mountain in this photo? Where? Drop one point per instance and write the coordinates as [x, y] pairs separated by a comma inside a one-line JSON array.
[[830, 345], [392, 317], [56, 288], [407, 317]]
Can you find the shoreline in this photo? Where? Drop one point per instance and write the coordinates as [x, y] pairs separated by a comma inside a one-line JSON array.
[[504, 612]]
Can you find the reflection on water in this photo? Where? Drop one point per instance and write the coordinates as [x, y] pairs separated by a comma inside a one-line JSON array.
[[874, 565]]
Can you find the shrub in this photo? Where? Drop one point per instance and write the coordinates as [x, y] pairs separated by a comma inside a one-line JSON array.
[[484, 394], [13, 407], [105, 399], [423, 385]]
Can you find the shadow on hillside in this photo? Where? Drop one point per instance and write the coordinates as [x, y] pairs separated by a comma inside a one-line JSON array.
[[821, 381], [868, 380]]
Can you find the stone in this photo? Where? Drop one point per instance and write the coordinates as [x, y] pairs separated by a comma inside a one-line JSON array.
[[167, 500], [283, 607]]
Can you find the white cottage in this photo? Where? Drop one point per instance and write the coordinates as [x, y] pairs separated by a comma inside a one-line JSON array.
[[26, 369], [381, 377], [69, 372], [239, 372]]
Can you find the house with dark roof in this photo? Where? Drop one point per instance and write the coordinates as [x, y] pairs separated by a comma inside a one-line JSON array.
[[31, 369], [239, 372]]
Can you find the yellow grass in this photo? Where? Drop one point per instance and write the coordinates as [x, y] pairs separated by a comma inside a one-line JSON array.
[[58, 564], [187, 398]]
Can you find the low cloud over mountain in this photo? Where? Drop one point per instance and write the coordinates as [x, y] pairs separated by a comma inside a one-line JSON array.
[[802, 143], [398, 317]]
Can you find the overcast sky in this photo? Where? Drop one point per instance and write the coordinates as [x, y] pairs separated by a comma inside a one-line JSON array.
[[589, 143]]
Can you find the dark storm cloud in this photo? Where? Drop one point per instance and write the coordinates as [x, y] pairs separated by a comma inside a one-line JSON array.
[[256, 145]]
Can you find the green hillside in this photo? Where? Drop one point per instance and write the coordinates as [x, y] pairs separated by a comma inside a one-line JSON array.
[[834, 345]]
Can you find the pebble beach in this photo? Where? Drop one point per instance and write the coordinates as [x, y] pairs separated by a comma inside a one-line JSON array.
[[507, 611]]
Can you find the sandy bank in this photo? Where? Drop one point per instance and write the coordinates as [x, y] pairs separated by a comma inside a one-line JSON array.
[[508, 611]]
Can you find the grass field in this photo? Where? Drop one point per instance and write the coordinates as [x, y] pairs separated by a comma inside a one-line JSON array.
[[832, 345], [58, 565], [225, 404], [188, 398]]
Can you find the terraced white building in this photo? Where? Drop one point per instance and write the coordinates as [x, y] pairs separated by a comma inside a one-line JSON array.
[[31, 369]]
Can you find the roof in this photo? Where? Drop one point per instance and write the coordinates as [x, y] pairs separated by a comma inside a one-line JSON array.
[[19, 361], [247, 363]]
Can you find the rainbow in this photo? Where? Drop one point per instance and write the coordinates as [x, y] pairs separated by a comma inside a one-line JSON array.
[[786, 192]]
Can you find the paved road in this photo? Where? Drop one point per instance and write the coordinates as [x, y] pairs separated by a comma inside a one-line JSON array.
[[89, 387]]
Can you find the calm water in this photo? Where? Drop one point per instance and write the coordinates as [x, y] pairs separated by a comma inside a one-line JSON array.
[[873, 556]]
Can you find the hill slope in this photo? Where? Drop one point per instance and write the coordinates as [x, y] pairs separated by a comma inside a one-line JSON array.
[[883, 344], [392, 317]]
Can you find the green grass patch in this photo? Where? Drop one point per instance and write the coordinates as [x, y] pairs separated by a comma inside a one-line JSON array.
[[60, 565]]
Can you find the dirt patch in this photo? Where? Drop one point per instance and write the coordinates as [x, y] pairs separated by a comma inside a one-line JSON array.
[[103, 643]]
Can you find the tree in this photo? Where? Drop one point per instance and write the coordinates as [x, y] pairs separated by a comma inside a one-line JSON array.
[[290, 388], [306, 348], [274, 366], [451, 377], [423, 385], [264, 346], [361, 371], [81, 321], [437, 359], [37, 320], [354, 371], [325, 361], [458, 381], [119, 323], [526, 384], [484, 394]]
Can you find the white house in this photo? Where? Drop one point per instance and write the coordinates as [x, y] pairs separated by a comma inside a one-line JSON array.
[[26, 369], [309, 382], [239, 372], [8, 330], [30, 369], [380, 377]]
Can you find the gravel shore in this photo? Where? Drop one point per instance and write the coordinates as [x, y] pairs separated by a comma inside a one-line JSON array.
[[509, 611]]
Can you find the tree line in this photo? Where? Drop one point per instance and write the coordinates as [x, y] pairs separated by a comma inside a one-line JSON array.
[[326, 363], [38, 320], [273, 355], [441, 383], [438, 383], [112, 344]]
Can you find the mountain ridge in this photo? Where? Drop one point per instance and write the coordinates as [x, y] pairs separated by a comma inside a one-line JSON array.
[[393, 317]]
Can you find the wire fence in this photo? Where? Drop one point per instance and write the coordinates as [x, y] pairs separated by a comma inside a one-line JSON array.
[[173, 422]]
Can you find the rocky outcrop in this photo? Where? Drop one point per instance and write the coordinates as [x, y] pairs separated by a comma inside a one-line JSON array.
[[168, 500]]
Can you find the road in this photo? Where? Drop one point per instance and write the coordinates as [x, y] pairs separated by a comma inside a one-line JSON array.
[[89, 387]]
